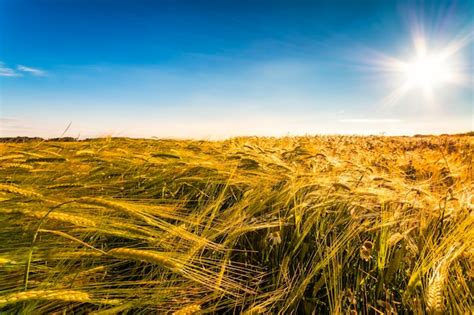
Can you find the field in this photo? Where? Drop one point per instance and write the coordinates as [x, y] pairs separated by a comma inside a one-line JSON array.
[[307, 225]]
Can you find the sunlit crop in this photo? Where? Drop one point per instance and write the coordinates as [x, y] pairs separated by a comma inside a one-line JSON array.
[[249, 225]]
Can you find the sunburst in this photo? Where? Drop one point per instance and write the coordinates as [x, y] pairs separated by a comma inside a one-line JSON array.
[[431, 71]]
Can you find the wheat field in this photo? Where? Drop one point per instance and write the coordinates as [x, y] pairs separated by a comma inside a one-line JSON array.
[[292, 225]]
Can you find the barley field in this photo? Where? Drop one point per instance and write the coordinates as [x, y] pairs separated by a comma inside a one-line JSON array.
[[292, 225]]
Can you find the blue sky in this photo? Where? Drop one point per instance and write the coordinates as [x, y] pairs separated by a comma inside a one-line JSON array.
[[213, 69]]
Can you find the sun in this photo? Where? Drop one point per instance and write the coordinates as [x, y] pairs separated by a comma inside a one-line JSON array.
[[427, 71], [430, 73]]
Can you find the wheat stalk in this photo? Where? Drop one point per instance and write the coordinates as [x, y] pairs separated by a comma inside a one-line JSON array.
[[435, 291], [188, 310], [65, 295], [11, 157], [154, 257], [58, 216], [17, 165], [18, 191], [119, 309]]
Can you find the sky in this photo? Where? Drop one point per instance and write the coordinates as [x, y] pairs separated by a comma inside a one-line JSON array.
[[217, 69]]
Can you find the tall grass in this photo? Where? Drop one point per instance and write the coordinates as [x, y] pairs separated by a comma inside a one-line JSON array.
[[249, 225]]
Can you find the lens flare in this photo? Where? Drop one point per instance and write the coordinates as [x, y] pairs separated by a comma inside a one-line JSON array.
[[427, 72], [436, 66]]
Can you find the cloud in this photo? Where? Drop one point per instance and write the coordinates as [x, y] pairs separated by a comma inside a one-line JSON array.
[[370, 121], [7, 72], [14, 127], [19, 71], [5, 120], [33, 71]]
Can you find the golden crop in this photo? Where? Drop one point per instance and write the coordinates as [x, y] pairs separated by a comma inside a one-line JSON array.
[[329, 224]]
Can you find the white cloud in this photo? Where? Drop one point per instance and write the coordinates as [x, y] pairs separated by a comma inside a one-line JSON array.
[[370, 121], [33, 71], [7, 72], [7, 120], [20, 70]]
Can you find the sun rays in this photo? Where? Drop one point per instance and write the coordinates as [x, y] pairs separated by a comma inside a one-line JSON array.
[[430, 72]]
